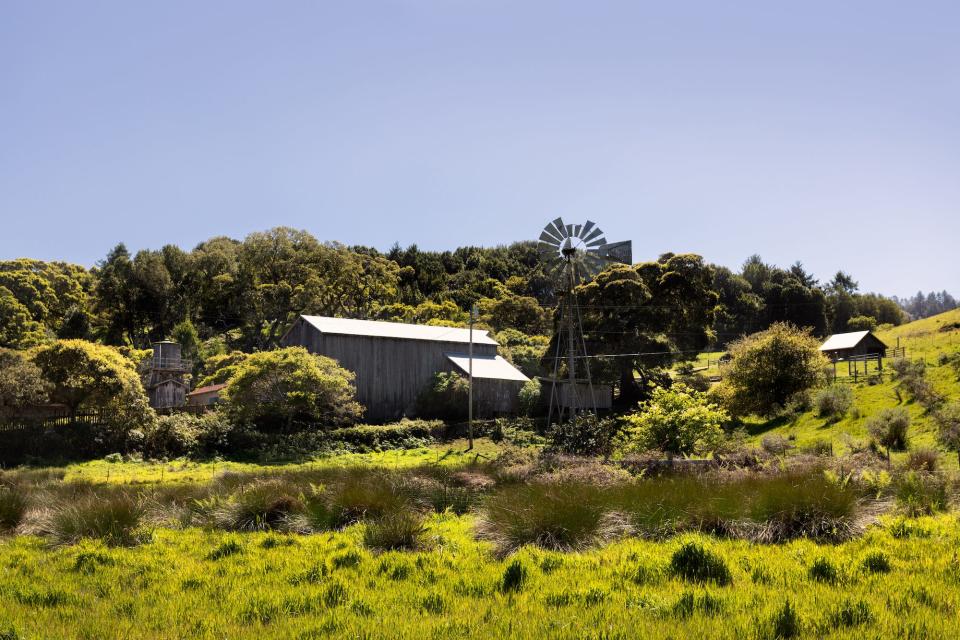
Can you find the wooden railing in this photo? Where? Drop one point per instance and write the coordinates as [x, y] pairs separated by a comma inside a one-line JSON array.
[[60, 419]]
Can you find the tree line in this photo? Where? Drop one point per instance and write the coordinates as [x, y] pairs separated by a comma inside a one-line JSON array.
[[233, 294]]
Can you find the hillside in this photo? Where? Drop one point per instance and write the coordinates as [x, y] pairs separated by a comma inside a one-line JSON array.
[[927, 339]]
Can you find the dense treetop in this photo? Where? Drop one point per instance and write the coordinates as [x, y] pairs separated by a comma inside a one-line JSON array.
[[228, 295]]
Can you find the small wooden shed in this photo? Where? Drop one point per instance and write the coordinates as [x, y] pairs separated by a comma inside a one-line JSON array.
[[854, 345], [205, 396], [393, 362]]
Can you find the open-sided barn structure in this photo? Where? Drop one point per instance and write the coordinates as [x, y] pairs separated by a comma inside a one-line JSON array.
[[393, 362], [857, 344], [855, 348]]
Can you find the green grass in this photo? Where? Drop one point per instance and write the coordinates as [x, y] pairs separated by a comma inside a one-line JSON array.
[[452, 454], [199, 584], [922, 339]]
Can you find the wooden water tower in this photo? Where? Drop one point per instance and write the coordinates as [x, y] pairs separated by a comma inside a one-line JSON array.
[[167, 385]]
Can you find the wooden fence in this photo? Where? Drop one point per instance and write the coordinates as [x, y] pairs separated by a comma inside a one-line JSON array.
[[59, 419]]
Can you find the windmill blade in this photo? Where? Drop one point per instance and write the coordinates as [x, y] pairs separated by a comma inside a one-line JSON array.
[[576, 230], [599, 242], [559, 229], [593, 234], [582, 233], [549, 238]]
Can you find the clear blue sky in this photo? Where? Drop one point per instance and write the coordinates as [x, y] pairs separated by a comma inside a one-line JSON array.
[[821, 131]]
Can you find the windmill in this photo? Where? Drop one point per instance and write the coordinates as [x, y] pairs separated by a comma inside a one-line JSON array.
[[575, 253]]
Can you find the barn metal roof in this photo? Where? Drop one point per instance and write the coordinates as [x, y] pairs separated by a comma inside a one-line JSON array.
[[494, 367], [400, 330], [843, 340]]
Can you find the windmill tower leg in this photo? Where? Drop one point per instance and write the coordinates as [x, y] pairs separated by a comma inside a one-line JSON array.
[[571, 345]]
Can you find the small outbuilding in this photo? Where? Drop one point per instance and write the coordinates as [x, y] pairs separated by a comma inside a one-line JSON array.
[[854, 345], [394, 362], [206, 396]]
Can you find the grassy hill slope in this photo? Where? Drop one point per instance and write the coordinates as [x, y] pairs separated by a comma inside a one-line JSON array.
[[927, 339]]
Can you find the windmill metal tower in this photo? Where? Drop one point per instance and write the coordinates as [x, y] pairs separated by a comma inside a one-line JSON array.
[[574, 253]]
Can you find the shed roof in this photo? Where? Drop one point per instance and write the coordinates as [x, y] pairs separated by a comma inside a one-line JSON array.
[[207, 389], [494, 367], [399, 330], [839, 341]]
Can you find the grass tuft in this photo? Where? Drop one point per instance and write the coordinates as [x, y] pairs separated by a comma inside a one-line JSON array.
[[786, 622], [823, 570], [401, 530], [514, 577], [13, 506], [113, 517], [695, 563], [876, 562]]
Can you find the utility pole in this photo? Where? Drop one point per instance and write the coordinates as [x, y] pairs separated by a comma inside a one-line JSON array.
[[473, 313]]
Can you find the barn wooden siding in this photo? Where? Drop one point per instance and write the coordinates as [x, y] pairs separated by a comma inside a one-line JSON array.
[[391, 372]]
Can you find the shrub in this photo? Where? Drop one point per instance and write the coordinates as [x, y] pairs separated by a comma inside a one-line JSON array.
[[90, 377], [403, 434], [925, 459], [514, 577], [528, 400], [401, 530], [589, 435], [823, 570], [820, 447], [289, 389], [912, 376], [948, 427], [696, 381], [695, 563], [13, 506], [876, 562], [862, 323], [834, 401], [889, 429], [677, 421], [775, 444], [445, 397], [113, 517], [921, 494], [172, 436], [769, 367]]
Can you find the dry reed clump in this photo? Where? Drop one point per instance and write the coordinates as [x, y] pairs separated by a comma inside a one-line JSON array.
[[261, 506], [760, 507], [561, 516], [13, 507], [113, 516], [396, 531]]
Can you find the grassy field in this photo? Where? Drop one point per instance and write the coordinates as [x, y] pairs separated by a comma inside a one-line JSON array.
[[199, 584], [451, 454], [923, 339], [195, 563]]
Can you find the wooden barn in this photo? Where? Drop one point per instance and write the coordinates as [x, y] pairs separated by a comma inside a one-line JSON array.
[[854, 345], [393, 362]]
